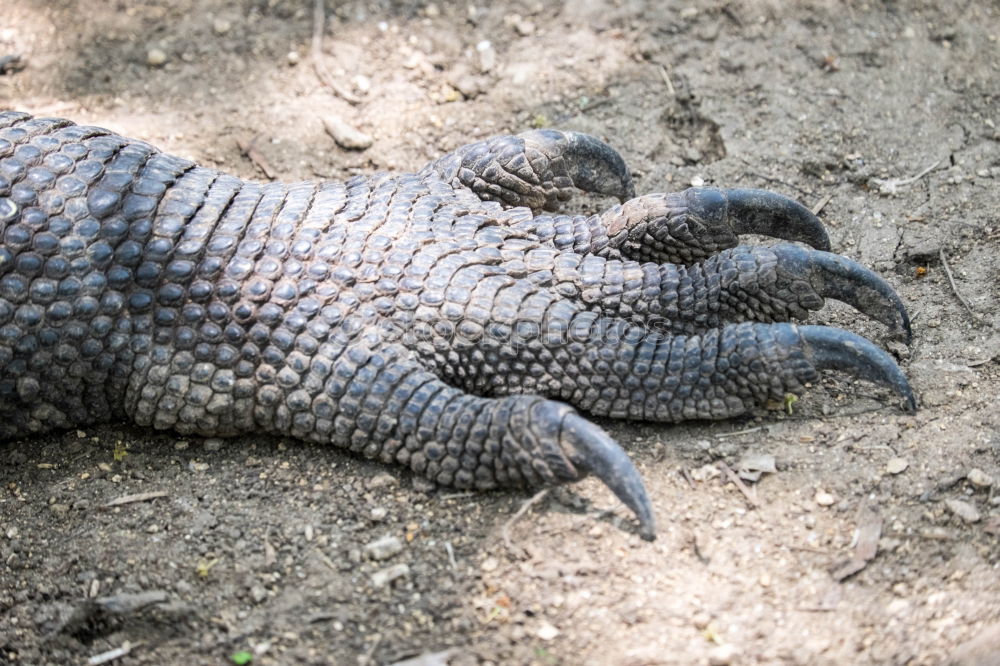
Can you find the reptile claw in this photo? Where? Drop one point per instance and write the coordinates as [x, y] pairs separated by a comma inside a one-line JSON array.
[[762, 212], [837, 277], [591, 450], [835, 349], [593, 165]]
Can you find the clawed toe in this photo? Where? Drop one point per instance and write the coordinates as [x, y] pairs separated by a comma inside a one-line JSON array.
[[837, 277], [836, 349]]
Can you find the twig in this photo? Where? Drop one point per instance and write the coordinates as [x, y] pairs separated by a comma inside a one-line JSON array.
[[250, 150], [821, 204], [505, 530], [319, 23], [892, 185], [140, 497], [735, 433], [738, 482], [687, 477], [111, 655], [451, 555], [951, 281], [666, 79]]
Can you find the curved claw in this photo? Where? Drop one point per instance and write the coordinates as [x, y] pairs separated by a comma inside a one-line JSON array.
[[836, 349], [762, 212], [840, 278], [590, 449], [593, 165]]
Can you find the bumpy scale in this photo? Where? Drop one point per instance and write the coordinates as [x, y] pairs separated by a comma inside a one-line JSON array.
[[429, 319]]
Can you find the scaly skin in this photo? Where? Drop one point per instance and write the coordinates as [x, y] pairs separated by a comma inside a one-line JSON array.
[[428, 319]]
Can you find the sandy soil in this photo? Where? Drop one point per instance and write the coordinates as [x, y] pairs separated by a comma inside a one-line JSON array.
[[259, 545]]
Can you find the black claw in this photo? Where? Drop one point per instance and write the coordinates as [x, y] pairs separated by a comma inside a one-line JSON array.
[[590, 449], [593, 165], [836, 349], [840, 278], [770, 214]]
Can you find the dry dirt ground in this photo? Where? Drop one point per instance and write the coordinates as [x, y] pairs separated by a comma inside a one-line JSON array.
[[885, 114]]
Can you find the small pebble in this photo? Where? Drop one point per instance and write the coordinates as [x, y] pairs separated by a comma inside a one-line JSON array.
[[964, 510], [896, 465], [697, 181], [346, 136], [824, 498], [382, 480], [489, 564], [258, 593], [221, 26], [213, 444], [379, 513], [362, 83], [546, 631], [384, 548], [181, 444], [487, 56], [386, 576], [979, 478], [701, 620], [155, 57], [293, 58], [722, 655]]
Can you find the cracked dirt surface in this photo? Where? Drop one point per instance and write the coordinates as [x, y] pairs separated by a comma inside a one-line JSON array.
[[262, 545]]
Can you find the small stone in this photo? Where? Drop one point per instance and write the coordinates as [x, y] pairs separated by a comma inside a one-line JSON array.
[[181, 444], [697, 181], [546, 631], [824, 498], [722, 655], [346, 136], [362, 83], [896, 465], [293, 58], [258, 593], [979, 478], [156, 57], [468, 85], [59, 508], [964, 510], [221, 26], [379, 513], [384, 548], [489, 564], [213, 444], [432, 11], [382, 480], [487, 56], [386, 576]]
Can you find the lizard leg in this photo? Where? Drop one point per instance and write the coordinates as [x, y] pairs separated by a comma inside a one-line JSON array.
[[538, 169], [681, 228], [763, 284], [377, 400], [607, 367]]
